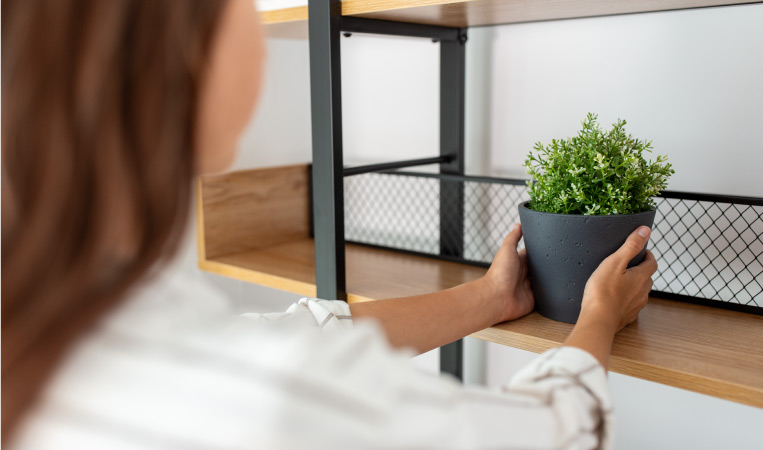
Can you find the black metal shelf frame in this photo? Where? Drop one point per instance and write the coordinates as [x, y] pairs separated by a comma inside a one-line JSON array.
[[326, 25]]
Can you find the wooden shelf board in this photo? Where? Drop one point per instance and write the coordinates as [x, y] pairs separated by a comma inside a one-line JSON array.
[[466, 13], [284, 15], [693, 347], [698, 348], [372, 273]]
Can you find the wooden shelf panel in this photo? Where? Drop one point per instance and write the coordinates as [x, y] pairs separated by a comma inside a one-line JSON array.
[[466, 13], [372, 273], [698, 348]]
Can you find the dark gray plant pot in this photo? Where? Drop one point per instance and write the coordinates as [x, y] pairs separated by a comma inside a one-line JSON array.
[[563, 250]]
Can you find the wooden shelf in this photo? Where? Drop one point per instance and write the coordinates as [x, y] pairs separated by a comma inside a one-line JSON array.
[[253, 226], [698, 348], [469, 13], [372, 273]]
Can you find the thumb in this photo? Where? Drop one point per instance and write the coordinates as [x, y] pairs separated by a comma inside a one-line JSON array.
[[632, 246], [512, 239]]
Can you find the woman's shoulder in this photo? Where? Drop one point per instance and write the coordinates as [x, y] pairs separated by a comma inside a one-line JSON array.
[[169, 368]]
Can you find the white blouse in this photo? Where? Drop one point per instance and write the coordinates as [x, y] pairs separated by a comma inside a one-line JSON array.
[[174, 369]]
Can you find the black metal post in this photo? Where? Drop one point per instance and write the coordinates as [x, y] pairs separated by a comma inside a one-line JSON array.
[[324, 21], [452, 87]]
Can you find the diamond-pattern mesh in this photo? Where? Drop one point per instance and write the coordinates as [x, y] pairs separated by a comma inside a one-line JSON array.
[[403, 212], [706, 249], [709, 250]]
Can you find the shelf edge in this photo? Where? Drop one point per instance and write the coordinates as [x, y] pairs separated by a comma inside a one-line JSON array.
[[269, 280], [703, 385], [274, 16], [260, 278]]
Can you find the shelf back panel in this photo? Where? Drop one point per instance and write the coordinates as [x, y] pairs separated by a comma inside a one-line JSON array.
[[253, 209]]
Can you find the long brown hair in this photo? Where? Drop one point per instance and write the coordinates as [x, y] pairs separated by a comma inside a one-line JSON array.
[[99, 111]]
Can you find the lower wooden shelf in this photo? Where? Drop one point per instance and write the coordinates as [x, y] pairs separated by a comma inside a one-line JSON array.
[[254, 226], [698, 348], [372, 274]]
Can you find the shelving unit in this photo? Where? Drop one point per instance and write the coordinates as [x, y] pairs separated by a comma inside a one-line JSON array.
[[256, 225]]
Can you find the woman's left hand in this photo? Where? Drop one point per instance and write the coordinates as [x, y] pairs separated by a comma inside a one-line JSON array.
[[428, 321], [507, 281]]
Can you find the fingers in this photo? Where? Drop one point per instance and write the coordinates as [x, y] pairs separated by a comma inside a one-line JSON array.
[[523, 264], [648, 267], [646, 288], [632, 246], [523, 256], [514, 236]]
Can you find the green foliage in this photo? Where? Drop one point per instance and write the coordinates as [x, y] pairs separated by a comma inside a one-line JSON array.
[[595, 173]]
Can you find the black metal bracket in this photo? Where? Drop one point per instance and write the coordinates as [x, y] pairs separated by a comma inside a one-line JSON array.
[[719, 198], [373, 26], [350, 171]]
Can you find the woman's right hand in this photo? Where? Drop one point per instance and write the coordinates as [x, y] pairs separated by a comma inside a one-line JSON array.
[[613, 297], [614, 293]]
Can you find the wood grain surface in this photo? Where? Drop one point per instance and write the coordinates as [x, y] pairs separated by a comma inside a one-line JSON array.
[[702, 349], [253, 209], [465, 13], [493, 12], [372, 274]]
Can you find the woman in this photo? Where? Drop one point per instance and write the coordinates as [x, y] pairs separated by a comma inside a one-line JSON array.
[[110, 109]]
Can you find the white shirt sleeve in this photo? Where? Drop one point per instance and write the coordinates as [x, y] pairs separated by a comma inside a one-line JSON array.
[[328, 315], [306, 378], [560, 401]]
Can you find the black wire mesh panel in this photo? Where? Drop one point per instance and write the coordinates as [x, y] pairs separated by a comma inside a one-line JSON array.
[[403, 211], [710, 248]]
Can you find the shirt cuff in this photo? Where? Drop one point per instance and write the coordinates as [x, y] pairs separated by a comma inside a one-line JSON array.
[[570, 368], [330, 315]]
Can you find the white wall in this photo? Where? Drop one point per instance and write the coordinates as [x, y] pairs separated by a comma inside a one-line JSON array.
[[390, 103], [688, 80]]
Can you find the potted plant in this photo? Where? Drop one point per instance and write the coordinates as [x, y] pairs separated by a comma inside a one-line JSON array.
[[588, 194]]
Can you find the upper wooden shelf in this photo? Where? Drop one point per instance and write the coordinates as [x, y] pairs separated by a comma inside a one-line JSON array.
[[253, 226], [291, 22]]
